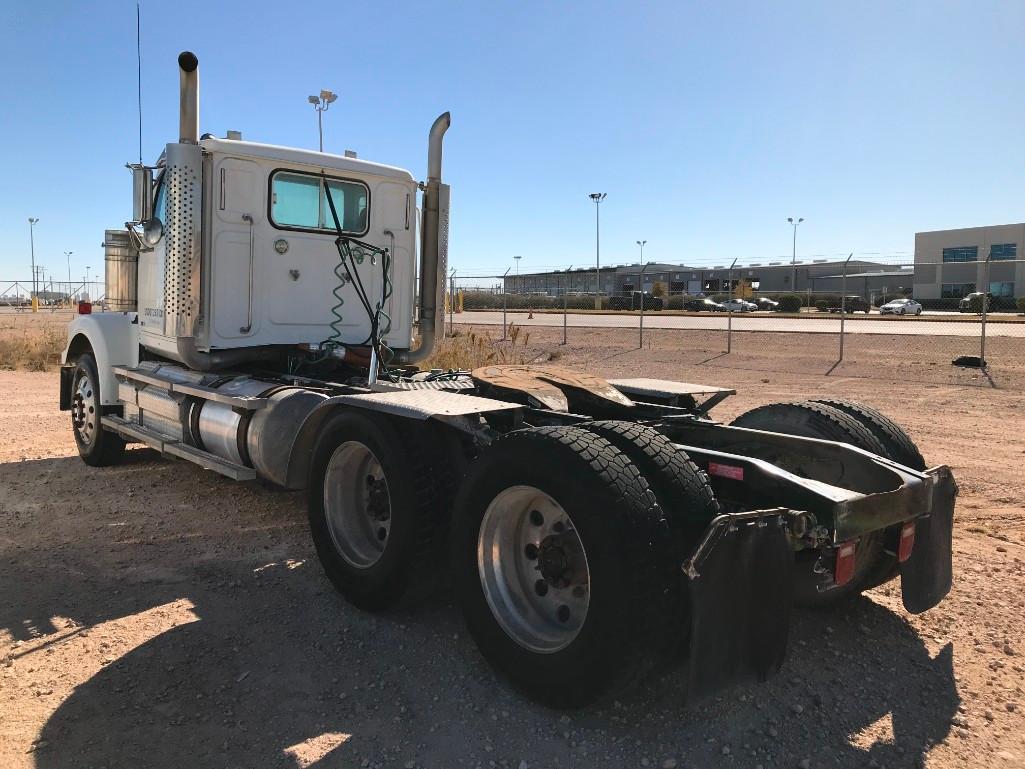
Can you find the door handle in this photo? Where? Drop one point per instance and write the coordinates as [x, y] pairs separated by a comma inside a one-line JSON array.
[[249, 303]]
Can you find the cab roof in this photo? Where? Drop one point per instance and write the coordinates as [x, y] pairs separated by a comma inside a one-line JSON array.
[[292, 156]]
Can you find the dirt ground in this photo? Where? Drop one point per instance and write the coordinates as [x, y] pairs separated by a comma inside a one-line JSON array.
[[156, 615]]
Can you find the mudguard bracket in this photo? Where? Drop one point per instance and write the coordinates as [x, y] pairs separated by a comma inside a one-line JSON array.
[[740, 589]]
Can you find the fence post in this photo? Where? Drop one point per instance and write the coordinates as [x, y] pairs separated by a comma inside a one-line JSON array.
[[641, 339], [843, 305], [452, 303], [505, 301], [985, 309], [729, 315], [565, 305]]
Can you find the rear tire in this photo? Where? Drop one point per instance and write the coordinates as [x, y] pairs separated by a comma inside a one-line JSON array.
[[610, 562], [811, 419], [899, 447], [377, 516], [97, 447], [681, 489], [895, 442]]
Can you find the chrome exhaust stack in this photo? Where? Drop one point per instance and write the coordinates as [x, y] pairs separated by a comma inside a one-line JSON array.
[[188, 110], [433, 247]]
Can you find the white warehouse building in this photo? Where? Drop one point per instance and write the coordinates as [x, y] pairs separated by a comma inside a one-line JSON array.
[[950, 264]]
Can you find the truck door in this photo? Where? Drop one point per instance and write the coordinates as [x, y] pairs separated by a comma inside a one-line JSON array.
[[238, 191]]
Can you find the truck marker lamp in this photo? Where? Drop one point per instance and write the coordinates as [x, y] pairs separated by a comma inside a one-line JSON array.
[[907, 541], [844, 567], [726, 471]]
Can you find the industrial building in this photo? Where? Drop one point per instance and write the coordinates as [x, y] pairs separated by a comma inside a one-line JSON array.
[[950, 264], [817, 276]]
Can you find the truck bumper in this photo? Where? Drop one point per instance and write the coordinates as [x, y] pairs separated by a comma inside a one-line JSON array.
[[739, 580]]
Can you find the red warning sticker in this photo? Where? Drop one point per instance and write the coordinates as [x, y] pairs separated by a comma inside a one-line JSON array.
[[726, 471]]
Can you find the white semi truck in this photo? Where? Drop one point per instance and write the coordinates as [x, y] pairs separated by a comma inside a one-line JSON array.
[[267, 321]]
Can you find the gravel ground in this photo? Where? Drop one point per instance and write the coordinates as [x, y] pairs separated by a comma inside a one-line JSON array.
[[155, 615]]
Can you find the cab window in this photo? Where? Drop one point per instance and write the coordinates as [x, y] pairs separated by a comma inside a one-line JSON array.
[[299, 201]]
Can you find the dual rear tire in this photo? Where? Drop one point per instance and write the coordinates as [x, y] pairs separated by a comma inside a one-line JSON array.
[[852, 423], [563, 560]]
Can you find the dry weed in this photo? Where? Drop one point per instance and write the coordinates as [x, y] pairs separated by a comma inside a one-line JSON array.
[[32, 349], [470, 350]]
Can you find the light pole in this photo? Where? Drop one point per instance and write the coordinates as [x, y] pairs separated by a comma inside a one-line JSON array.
[[32, 244], [68, 255], [519, 288], [321, 103], [87, 282], [793, 259], [597, 197]]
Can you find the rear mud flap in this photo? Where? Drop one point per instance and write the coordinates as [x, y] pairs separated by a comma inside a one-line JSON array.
[[927, 574], [740, 588]]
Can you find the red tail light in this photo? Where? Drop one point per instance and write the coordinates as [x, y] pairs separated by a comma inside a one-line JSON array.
[[85, 308], [907, 541], [843, 570]]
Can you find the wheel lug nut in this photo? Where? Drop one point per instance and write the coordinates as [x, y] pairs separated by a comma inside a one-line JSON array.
[[536, 518], [563, 613], [558, 527], [541, 588], [530, 551]]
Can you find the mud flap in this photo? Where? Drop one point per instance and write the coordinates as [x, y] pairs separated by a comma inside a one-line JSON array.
[[740, 588], [927, 574]]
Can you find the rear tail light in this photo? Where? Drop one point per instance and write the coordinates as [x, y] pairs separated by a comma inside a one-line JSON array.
[[843, 570], [907, 541], [85, 308]]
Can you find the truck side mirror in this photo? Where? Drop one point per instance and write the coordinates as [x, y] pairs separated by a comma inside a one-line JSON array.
[[152, 231], [142, 193]]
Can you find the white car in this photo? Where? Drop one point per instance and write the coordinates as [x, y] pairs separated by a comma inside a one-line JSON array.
[[738, 305], [901, 307]]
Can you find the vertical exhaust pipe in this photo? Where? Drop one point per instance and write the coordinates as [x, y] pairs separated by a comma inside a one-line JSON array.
[[188, 110], [430, 307]]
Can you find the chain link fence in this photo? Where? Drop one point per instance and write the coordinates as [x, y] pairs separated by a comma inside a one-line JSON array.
[[859, 322]]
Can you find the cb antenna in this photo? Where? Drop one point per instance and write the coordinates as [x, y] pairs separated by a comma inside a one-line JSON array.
[[138, 59]]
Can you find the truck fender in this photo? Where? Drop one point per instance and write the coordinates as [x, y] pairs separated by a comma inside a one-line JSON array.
[[449, 408], [113, 339]]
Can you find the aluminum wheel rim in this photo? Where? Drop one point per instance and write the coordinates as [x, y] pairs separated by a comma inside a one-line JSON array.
[[357, 504], [83, 410], [533, 569]]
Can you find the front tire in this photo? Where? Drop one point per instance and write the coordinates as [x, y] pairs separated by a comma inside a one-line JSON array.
[[96, 446], [561, 565]]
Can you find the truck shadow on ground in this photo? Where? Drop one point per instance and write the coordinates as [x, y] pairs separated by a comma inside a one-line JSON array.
[[275, 670]]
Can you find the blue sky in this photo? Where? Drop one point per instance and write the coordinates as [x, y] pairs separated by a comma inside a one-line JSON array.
[[707, 124]]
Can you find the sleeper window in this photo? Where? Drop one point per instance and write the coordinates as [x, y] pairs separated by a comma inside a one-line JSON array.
[[299, 201]]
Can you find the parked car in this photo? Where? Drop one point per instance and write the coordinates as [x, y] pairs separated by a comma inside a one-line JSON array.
[[764, 303], [973, 303], [703, 305], [633, 300], [901, 307], [852, 303], [739, 305]]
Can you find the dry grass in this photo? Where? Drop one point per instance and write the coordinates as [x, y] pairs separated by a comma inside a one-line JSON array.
[[31, 348], [469, 350]]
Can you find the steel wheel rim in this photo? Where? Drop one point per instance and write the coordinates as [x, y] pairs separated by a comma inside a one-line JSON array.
[[84, 418], [357, 504], [533, 569]]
